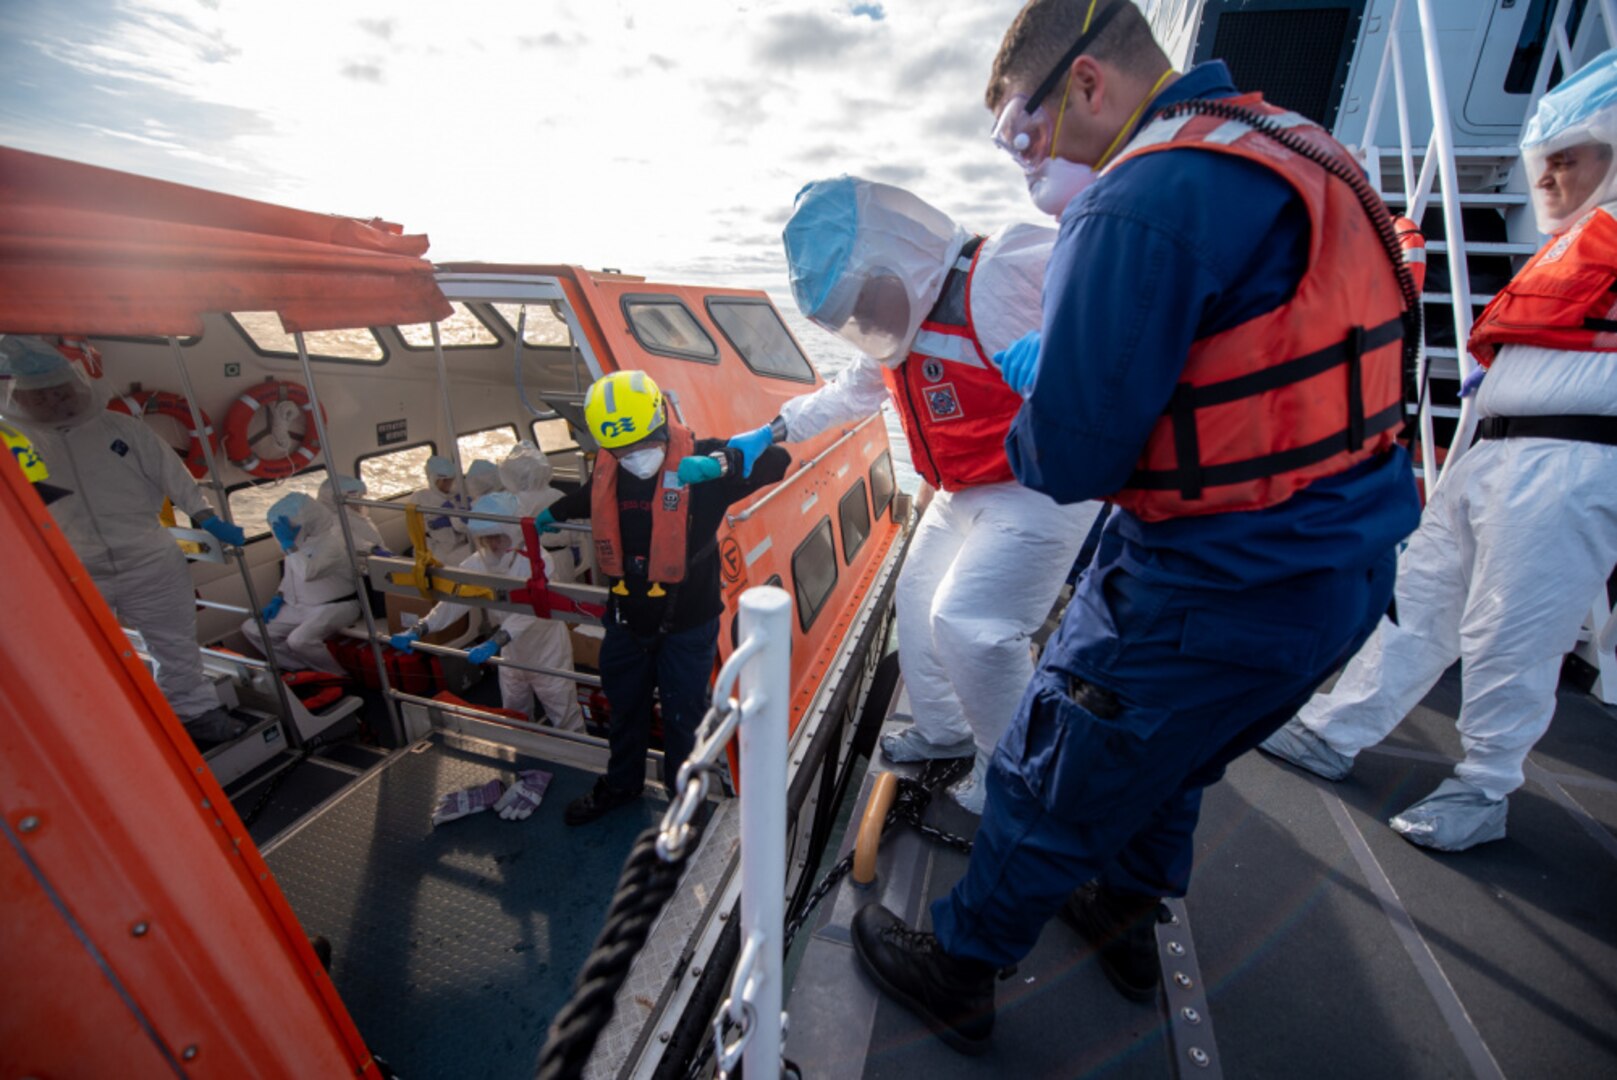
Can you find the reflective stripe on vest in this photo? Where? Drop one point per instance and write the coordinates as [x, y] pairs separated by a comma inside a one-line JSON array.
[[951, 401], [1307, 390], [670, 513], [1564, 298]]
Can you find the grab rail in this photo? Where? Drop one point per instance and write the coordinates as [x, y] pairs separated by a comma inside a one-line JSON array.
[[803, 469]]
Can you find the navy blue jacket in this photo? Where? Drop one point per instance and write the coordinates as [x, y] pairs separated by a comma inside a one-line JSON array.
[[1161, 251]]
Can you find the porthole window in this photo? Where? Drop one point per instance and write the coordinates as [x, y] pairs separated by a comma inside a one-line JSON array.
[[665, 326], [814, 573], [882, 485], [853, 512], [761, 340]]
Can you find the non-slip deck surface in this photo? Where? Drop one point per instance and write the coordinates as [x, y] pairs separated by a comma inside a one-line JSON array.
[[453, 947], [1328, 945]]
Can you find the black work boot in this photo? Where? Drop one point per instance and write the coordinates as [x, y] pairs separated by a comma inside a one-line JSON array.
[[602, 800], [1122, 928], [955, 997]]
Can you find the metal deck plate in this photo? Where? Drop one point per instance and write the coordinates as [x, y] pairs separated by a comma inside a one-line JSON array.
[[454, 946]]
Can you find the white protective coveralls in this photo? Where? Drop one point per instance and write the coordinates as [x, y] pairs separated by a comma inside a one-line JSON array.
[[367, 537], [446, 535], [118, 473], [1519, 537], [526, 473], [482, 478], [318, 589], [987, 561], [534, 642]]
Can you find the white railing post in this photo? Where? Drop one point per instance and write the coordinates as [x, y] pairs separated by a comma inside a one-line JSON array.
[[766, 614], [1453, 227]]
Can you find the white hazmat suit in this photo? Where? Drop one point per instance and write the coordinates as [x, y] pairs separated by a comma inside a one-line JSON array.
[[446, 534], [534, 642], [118, 472], [1516, 542], [526, 473], [367, 537], [318, 592], [987, 560]]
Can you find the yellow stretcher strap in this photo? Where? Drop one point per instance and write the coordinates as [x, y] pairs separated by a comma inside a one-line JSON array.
[[166, 518], [422, 578]]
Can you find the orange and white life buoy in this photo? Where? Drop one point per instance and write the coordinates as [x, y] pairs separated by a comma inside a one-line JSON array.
[[143, 403], [281, 400]]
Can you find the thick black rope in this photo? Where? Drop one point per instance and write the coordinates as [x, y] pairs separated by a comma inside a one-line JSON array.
[[643, 889], [1376, 210]]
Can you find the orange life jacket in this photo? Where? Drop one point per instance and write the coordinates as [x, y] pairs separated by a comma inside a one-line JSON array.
[[953, 404], [1562, 299], [1307, 390], [670, 515]]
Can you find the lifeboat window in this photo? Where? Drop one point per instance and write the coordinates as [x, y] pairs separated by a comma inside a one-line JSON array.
[[665, 326], [881, 483], [814, 572], [545, 326], [491, 443], [735, 619], [553, 436], [760, 338], [263, 330], [853, 512], [462, 330], [250, 502], [392, 473]]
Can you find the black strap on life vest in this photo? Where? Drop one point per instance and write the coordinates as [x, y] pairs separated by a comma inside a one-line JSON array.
[[1190, 476], [950, 310], [1604, 326], [1594, 429]]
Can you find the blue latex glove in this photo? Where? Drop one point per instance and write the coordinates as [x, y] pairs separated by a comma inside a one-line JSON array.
[[286, 533], [273, 608], [1019, 364], [545, 522], [1472, 381], [751, 444], [699, 469], [479, 654], [222, 530], [404, 642]]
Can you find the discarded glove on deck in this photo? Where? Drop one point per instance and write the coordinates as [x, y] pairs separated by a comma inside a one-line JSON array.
[[522, 798], [472, 800]]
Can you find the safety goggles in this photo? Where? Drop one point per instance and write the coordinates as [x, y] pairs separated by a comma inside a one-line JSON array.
[[1024, 128]]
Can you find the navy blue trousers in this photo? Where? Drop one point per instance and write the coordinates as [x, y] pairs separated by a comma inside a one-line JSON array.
[[679, 667], [1192, 680]]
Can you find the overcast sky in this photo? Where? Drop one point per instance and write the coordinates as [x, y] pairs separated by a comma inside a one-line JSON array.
[[658, 137]]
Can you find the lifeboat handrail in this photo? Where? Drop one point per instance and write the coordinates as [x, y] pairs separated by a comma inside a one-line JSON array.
[[450, 650], [807, 466], [399, 506]]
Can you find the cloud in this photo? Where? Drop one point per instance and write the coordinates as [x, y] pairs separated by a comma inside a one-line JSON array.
[[806, 38], [361, 71], [550, 39], [379, 28], [966, 122], [663, 62], [899, 175]]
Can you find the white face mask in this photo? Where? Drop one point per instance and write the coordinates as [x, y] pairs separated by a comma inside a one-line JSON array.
[[1055, 182], [643, 463]]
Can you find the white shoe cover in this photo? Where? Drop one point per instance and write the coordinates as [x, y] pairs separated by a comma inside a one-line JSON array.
[[908, 745], [1295, 743], [1452, 818], [972, 790]]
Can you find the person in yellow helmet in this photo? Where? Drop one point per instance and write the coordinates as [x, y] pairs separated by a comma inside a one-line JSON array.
[[655, 500]]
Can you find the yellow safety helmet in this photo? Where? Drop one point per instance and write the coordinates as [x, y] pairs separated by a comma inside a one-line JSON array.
[[22, 451], [622, 408]]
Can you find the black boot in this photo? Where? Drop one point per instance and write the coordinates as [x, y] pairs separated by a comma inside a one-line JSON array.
[[602, 800], [955, 997], [1122, 927]]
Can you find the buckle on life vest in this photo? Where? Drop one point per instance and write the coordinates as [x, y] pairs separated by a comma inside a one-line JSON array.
[[536, 594], [621, 588], [656, 589]]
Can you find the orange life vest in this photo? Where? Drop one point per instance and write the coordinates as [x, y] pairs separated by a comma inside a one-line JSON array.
[[670, 515], [1307, 390], [953, 404], [1562, 299]]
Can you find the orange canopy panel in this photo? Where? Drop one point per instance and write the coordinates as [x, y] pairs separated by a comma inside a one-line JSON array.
[[141, 933], [86, 250]]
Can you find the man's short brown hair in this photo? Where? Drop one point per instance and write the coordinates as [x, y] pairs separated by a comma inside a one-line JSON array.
[[1045, 29]]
